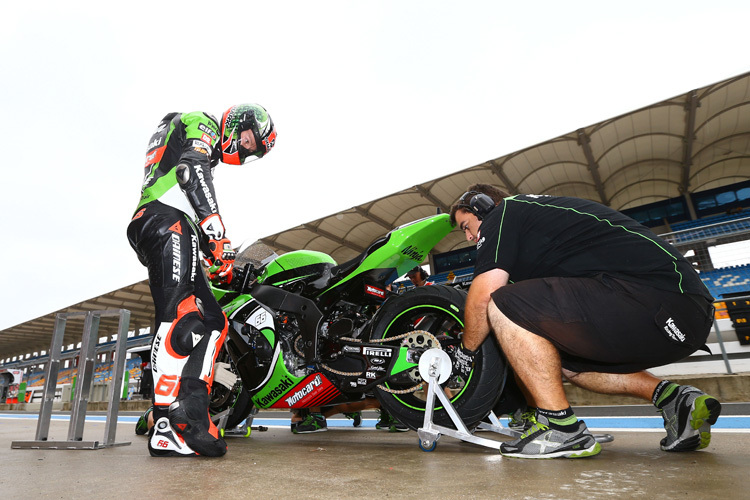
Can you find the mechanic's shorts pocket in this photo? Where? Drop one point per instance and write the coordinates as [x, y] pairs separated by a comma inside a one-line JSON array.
[[670, 327]]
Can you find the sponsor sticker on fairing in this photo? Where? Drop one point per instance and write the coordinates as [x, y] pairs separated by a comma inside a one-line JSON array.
[[377, 292], [376, 351]]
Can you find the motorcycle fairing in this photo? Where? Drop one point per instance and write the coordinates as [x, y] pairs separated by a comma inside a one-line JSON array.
[[297, 265], [313, 391], [397, 253]]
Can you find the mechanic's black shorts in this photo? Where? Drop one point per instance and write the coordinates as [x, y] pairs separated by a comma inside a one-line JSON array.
[[608, 325]]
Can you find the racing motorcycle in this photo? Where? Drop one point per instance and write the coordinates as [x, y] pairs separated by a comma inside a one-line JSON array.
[[307, 332]]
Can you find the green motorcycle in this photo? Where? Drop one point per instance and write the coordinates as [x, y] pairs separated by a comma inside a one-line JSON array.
[[306, 332]]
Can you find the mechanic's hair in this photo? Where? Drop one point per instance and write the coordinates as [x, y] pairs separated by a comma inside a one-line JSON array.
[[419, 270], [493, 192]]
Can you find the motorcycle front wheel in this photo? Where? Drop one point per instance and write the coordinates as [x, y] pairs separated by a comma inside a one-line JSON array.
[[438, 310], [236, 398]]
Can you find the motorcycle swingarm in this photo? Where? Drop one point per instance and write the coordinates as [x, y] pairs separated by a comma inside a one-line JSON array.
[[381, 363]]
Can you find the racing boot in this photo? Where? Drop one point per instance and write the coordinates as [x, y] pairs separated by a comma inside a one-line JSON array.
[[165, 442], [188, 415]]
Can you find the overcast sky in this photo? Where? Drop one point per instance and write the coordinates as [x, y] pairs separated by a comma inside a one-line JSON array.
[[369, 98]]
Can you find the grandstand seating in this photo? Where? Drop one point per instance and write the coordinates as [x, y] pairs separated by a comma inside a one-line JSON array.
[[722, 225], [706, 221], [102, 373], [734, 279]]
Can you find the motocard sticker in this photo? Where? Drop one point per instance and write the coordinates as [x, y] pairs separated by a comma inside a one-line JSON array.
[[314, 390]]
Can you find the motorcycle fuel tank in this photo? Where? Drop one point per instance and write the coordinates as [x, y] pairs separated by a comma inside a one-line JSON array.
[[300, 264]]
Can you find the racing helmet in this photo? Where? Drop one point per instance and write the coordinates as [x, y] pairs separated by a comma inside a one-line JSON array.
[[242, 117]]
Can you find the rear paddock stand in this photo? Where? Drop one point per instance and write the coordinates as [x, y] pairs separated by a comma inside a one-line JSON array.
[[435, 367]]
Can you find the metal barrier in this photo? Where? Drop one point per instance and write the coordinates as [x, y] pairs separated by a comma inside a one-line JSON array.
[[718, 332], [86, 364]]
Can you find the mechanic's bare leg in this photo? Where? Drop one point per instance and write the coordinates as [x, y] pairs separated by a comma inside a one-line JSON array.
[[640, 384], [534, 359]]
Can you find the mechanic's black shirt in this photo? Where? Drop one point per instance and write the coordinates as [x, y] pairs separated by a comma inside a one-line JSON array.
[[532, 236]]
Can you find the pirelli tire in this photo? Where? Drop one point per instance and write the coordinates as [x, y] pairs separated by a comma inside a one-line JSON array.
[[439, 310]]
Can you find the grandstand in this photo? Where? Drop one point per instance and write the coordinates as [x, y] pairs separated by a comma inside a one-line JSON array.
[[729, 280]]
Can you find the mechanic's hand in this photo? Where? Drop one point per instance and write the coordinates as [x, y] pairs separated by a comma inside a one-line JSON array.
[[463, 362]]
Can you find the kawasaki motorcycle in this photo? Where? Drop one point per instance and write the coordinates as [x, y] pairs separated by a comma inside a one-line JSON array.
[[307, 332]]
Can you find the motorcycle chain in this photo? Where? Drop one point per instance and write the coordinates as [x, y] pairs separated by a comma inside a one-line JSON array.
[[380, 341]]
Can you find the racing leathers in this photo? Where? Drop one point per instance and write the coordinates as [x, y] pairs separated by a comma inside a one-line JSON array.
[[176, 217]]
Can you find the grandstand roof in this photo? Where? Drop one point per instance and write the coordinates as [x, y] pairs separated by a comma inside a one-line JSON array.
[[688, 143]]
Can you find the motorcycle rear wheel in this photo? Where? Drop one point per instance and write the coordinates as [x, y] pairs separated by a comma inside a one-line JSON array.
[[439, 310]]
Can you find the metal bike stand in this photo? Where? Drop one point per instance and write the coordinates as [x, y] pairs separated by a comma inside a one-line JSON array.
[[495, 425], [435, 367], [244, 430], [86, 365]]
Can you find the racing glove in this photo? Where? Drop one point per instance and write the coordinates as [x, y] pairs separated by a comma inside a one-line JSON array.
[[222, 260], [222, 255], [463, 361]]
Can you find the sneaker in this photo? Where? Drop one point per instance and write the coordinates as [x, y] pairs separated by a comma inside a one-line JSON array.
[[188, 415], [165, 442], [141, 427], [386, 421], [522, 421], [313, 422], [397, 426], [688, 419], [540, 441], [356, 416]]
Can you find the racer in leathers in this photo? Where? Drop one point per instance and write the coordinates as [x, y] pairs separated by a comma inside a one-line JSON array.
[[177, 217]]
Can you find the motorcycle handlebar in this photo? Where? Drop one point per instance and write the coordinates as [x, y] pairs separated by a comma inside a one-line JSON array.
[[241, 279]]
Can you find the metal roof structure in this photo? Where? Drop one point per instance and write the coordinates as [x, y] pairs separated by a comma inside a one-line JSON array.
[[691, 142]]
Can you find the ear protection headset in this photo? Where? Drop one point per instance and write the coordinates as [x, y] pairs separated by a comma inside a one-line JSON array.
[[477, 203]]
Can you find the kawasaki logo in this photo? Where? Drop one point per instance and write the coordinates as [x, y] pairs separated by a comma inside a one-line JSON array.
[[194, 260], [274, 393], [206, 190], [674, 332], [307, 389]]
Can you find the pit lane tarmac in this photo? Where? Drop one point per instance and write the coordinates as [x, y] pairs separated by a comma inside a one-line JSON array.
[[348, 462]]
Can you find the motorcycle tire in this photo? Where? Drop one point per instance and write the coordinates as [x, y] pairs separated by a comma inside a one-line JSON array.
[[439, 310], [237, 398]]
